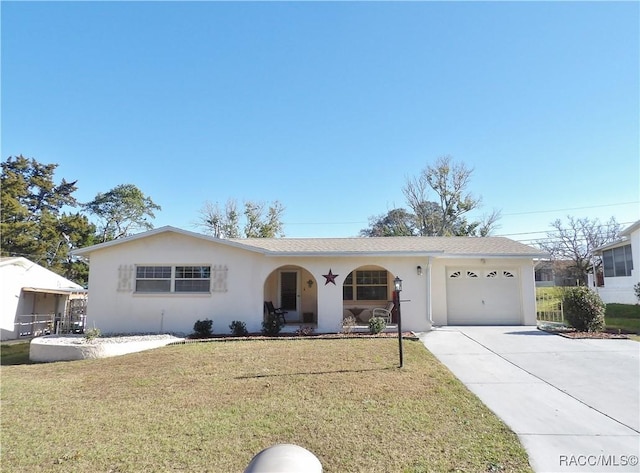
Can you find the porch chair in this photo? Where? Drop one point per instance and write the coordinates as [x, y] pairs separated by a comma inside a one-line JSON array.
[[384, 313], [268, 305]]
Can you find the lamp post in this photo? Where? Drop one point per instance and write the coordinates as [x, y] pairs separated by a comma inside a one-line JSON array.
[[397, 283]]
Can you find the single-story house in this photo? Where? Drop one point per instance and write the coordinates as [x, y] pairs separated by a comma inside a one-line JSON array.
[[166, 279], [555, 273], [35, 300], [618, 261]]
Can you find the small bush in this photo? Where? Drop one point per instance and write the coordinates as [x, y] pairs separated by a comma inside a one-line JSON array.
[[583, 309], [203, 328], [377, 325], [348, 323], [238, 328], [304, 331], [92, 334], [272, 324], [636, 290]]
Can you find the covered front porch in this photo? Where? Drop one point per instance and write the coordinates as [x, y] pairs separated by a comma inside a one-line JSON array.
[[294, 293]]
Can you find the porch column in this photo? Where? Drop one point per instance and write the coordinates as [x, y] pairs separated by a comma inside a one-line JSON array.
[[429, 307]]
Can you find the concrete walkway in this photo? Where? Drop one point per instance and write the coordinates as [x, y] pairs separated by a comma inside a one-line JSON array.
[[574, 404]]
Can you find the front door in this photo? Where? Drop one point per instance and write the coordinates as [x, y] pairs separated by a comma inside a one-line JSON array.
[[289, 294]]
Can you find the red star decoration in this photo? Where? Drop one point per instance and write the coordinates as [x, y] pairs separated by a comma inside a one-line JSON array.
[[330, 277]]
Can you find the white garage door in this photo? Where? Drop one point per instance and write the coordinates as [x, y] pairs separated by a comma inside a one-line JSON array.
[[480, 296]]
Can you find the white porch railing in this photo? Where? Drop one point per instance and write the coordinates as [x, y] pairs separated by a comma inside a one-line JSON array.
[[34, 325]]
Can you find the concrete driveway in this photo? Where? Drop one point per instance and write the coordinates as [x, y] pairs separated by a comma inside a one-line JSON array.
[[574, 404]]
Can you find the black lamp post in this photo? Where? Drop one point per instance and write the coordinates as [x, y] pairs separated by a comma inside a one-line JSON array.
[[397, 283]]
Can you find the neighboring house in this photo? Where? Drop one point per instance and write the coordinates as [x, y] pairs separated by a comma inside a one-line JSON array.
[[618, 261], [166, 279], [555, 273], [33, 299]]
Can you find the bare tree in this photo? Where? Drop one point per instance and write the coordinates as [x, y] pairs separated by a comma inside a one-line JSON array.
[[576, 240], [259, 225], [261, 221], [218, 222], [447, 213]]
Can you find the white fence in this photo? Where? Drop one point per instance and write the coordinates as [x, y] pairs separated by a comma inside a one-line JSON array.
[[549, 308]]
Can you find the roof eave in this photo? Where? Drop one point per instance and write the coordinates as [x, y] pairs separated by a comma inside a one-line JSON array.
[[613, 244], [85, 252], [498, 255], [332, 254]]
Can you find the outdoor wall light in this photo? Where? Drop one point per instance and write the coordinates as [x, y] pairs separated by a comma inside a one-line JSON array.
[[419, 269], [397, 283], [310, 283]]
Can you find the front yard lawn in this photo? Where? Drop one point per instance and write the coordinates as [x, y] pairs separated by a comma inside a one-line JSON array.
[[16, 353], [210, 407], [623, 317]]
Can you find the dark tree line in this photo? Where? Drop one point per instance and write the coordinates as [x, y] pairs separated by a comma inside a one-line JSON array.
[[42, 220]]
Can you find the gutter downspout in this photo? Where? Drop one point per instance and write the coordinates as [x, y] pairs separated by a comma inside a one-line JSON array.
[[429, 306]]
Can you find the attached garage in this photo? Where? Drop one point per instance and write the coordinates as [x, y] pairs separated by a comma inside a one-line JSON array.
[[484, 296]]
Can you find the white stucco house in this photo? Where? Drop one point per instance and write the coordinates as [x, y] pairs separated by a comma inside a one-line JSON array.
[[620, 262], [33, 298], [166, 279]]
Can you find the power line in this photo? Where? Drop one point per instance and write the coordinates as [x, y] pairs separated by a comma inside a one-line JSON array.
[[503, 215], [572, 208]]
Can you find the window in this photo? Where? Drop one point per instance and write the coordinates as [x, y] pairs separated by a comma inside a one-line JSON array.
[[153, 279], [193, 278], [180, 278], [617, 261], [367, 285]]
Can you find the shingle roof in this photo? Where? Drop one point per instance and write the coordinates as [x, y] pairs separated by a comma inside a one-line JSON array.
[[437, 246], [389, 246]]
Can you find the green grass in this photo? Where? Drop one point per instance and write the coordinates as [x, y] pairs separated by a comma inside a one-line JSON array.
[[548, 300], [624, 311], [14, 353], [213, 406], [548, 297], [623, 317]]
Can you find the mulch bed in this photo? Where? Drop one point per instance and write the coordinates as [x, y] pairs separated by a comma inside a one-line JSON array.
[[596, 335], [572, 333], [314, 336]]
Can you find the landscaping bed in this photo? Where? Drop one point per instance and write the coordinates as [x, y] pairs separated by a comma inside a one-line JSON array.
[[569, 332]]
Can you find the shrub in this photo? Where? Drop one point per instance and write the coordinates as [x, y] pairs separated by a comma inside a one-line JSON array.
[[272, 324], [238, 328], [377, 325], [92, 334], [636, 290], [304, 331], [348, 323], [203, 328], [583, 309]]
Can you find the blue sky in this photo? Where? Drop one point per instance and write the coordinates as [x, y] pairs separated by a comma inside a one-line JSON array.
[[329, 107]]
